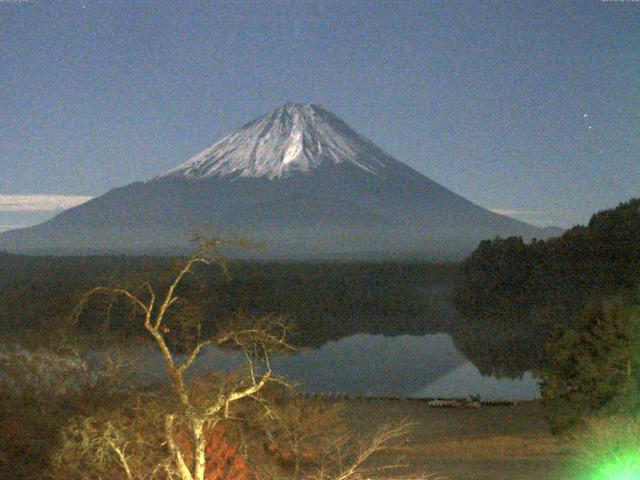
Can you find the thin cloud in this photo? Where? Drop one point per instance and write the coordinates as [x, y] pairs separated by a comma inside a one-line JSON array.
[[539, 218], [6, 227], [40, 203], [522, 213]]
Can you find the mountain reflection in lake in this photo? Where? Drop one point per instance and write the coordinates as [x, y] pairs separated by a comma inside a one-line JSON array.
[[371, 365]]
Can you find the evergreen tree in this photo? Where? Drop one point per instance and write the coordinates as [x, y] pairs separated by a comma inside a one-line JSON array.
[[594, 364]]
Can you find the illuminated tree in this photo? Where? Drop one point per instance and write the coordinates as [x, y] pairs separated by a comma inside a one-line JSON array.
[[594, 364], [187, 421], [185, 431]]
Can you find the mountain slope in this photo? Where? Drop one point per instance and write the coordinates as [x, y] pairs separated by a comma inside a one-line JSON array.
[[293, 138], [298, 178]]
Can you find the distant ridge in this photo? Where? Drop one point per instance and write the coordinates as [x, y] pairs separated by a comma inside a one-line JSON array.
[[299, 179]]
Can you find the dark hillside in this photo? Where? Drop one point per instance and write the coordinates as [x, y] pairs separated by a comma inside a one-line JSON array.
[[510, 288], [323, 300]]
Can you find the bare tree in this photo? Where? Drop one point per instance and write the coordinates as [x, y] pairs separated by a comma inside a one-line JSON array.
[[255, 342], [195, 408]]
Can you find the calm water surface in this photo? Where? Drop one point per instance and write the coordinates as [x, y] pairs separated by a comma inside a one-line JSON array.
[[375, 365]]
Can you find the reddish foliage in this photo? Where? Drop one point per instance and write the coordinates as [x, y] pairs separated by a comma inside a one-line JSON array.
[[223, 461]]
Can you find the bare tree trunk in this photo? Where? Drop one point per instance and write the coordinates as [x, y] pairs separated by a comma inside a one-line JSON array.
[[199, 458], [181, 466]]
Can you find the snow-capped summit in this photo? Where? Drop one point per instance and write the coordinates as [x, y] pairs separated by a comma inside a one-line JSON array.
[[292, 138]]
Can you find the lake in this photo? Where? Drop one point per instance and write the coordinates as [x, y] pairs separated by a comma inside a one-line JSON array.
[[408, 366]]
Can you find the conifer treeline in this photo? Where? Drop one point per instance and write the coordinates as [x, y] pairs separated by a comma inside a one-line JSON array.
[[524, 290], [324, 300]]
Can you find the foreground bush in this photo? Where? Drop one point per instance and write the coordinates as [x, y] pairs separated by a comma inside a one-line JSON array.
[[594, 364]]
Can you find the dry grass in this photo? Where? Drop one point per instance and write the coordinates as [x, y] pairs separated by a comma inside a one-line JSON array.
[[484, 447], [510, 443]]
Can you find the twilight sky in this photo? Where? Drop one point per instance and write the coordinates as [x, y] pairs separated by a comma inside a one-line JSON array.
[[529, 108]]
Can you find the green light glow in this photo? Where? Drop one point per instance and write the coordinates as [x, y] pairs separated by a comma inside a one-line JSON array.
[[624, 467]]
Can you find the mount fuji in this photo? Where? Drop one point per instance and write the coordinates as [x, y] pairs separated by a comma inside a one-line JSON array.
[[298, 179]]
